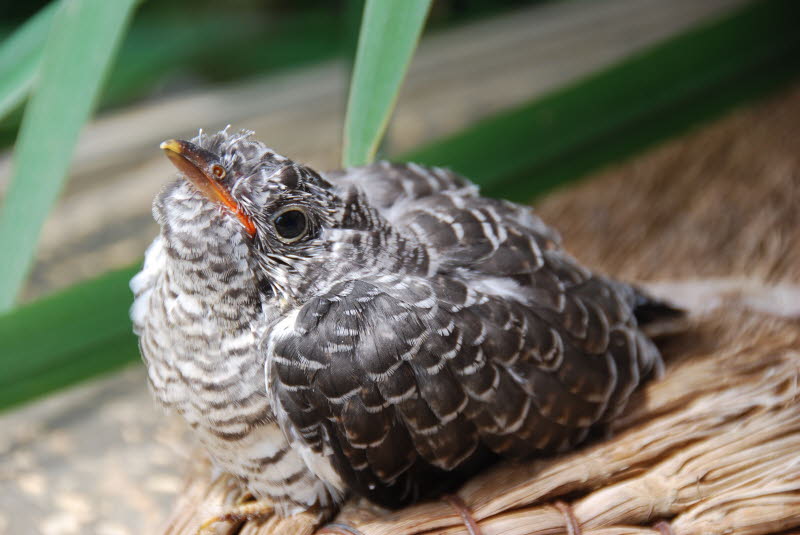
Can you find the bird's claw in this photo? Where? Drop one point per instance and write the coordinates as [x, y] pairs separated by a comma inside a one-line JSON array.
[[238, 513]]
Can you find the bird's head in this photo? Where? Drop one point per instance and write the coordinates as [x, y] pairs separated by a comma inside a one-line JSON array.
[[240, 209]]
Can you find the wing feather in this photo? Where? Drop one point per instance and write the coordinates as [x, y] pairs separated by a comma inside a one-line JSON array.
[[510, 348]]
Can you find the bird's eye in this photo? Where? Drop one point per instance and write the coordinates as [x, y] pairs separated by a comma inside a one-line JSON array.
[[291, 224], [218, 171]]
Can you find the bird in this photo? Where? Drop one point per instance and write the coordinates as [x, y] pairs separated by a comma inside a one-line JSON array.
[[381, 331]]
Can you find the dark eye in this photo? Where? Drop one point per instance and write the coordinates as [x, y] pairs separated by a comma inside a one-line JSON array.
[[291, 224], [218, 171]]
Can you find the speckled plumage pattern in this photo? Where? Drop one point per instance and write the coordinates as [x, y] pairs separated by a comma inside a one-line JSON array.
[[416, 329]]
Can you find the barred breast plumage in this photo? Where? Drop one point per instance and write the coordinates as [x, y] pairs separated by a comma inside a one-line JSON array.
[[382, 330]]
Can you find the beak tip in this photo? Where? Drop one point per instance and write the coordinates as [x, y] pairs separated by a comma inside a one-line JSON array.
[[171, 145]]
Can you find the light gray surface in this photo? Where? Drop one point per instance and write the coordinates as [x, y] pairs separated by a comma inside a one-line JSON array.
[[99, 458]]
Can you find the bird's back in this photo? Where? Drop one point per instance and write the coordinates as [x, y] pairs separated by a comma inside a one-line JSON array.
[[500, 344]]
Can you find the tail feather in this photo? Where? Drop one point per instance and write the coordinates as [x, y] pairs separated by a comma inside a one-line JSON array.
[[655, 316]]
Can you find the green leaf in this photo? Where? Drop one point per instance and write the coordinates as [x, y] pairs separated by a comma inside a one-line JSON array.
[[389, 34], [70, 336], [77, 53], [20, 56]]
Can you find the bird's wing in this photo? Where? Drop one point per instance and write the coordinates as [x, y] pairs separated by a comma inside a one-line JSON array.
[[389, 185], [505, 250], [444, 212], [398, 378]]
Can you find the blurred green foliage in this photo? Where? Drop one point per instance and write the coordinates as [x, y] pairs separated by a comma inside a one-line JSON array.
[[617, 112], [174, 44], [77, 52]]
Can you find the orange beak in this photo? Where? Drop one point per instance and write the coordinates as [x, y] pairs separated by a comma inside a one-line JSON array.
[[196, 165]]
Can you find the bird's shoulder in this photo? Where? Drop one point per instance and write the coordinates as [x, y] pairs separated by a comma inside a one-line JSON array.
[[389, 184], [444, 212]]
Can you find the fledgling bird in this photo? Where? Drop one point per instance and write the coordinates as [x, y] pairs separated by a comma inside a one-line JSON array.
[[373, 330]]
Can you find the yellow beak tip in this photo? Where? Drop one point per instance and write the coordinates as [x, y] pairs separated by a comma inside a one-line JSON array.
[[171, 145]]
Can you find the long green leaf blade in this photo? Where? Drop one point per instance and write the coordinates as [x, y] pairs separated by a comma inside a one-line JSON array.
[[389, 34], [20, 56], [78, 51], [70, 336]]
